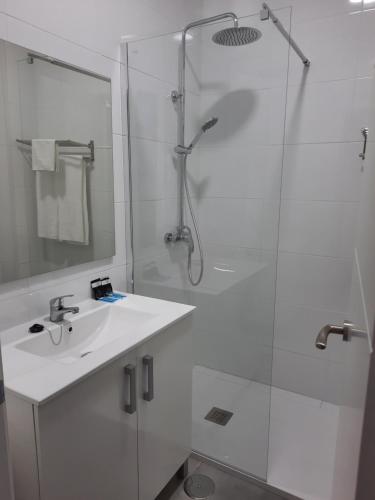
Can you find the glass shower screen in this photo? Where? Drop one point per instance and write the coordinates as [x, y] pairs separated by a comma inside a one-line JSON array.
[[234, 175]]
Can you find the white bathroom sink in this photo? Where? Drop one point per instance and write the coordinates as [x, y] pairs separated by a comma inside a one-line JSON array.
[[85, 333], [36, 369]]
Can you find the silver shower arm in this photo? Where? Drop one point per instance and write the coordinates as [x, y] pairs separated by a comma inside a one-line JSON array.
[[209, 20], [265, 14]]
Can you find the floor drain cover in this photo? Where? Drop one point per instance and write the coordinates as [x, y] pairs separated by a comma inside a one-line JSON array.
[[219, 416], [199, 486]]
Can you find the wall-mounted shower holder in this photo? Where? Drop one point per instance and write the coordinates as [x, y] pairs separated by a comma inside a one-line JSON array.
[[364, 132], [175, 96]]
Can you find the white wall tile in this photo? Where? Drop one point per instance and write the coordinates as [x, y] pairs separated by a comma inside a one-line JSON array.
[[120, 162], [158, 58], [26, 35], [152, 114], [313, 377], [221, 218], [106, 22], [152, 219], [320, 282], [366, 56], [246, 116], [302, 9], [320, 112], [15, 310], [363, 109], [325, 172], [331, 44], [120, 257], [245, 172], [154, 170], [3, 21], [318, 228]]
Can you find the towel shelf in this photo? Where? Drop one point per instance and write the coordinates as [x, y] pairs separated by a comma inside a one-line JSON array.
[[67, 143]]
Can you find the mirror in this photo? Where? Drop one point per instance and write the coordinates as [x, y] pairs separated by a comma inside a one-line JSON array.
[[56, 166]]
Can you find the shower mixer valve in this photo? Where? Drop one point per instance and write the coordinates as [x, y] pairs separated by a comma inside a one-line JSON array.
[[183, 234]]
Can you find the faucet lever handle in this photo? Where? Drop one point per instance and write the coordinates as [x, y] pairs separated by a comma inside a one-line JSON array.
[[59, 301]]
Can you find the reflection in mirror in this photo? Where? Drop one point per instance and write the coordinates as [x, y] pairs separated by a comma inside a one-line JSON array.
[[56, 169]]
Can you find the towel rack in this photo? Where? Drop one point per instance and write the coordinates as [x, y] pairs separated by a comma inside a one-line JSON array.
[[67, 143]]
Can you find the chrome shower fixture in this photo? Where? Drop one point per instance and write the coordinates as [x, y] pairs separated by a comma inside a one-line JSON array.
[[209, 123], [234, 37], [347, 331], [266, 14], [206, 126]]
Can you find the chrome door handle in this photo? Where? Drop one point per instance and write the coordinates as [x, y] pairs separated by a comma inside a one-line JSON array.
[[130, 371], [347, 330], [364, 132], [148, 364], [2, 392]]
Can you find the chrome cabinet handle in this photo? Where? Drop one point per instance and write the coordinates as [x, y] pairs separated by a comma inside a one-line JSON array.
[[130, 371], [2, 392], [148, 364], [364, 132], [347, 331]]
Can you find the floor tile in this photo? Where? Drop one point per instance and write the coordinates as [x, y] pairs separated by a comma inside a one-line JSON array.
[[269, 427], [227, 486]]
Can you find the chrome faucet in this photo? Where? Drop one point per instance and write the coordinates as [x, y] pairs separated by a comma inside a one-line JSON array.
[[57, 310]]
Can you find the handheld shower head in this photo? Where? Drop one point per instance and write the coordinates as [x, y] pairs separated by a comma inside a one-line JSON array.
[[206, 126], [209, 124]]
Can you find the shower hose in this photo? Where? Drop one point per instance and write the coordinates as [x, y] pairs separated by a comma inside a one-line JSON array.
[[196, 230]]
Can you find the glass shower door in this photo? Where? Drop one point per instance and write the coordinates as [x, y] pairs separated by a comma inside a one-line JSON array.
[[234, 175]]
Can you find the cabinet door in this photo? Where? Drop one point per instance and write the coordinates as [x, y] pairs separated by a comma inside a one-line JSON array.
[[87, 443], [164, 417]]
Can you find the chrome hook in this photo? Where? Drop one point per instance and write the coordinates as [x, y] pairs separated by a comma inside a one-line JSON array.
[[364, 132]]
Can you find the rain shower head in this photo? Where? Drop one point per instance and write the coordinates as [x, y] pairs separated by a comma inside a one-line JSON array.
[[234, 37]]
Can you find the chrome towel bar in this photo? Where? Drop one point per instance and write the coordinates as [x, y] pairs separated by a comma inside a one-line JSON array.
[[67, 143]]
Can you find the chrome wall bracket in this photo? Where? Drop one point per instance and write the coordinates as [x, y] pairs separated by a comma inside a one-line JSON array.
[[364, 132], [175, 96], [347, 331], [266, 14]]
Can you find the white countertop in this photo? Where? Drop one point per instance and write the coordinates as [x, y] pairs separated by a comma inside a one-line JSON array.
[[37, 378]]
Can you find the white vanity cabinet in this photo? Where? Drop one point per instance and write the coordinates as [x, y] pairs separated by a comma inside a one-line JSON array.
[[119, 434], [164, 409]]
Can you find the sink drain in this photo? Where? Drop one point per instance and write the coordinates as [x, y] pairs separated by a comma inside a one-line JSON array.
[[199, 487]]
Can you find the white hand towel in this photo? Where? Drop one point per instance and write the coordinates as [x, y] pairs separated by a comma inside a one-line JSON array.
[[44, 155], [47, 205], [62, 202], [72, 212]]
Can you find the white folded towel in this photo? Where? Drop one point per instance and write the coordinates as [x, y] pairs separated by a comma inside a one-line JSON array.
[[62, 202], [44, 155]]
